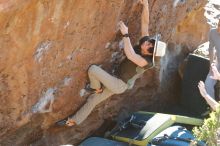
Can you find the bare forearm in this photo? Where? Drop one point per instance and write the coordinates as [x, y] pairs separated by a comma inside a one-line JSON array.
[[128, 49], [131, 55], [145, 20], [213, 104]]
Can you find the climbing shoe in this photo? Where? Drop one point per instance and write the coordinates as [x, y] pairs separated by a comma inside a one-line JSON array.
[[61, 122], [70, 122], [88, 91], [66, 122]]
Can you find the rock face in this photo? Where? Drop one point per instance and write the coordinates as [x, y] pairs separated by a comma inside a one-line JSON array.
[[47, 45]]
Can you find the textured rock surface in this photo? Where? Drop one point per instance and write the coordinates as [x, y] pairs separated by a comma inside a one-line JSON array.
[[184, 27], [47, 45]]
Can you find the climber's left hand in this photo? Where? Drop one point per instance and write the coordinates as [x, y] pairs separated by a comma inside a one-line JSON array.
[[123, 28]]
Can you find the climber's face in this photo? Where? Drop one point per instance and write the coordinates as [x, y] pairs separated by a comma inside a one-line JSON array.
[[145, 48]]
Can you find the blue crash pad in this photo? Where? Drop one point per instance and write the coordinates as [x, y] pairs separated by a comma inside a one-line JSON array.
[[97, 141]]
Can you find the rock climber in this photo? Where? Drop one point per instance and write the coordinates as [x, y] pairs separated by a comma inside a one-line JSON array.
[[103, 84]]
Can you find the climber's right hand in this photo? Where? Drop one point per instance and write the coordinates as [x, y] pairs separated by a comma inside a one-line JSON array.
[[123, 28]]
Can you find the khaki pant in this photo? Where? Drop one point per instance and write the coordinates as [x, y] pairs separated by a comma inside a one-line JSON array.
[[112, 85]]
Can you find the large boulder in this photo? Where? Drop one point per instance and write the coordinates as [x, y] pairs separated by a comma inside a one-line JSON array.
[[47, 45]]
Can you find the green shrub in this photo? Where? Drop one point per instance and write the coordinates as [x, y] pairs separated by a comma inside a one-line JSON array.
[[209, 131]]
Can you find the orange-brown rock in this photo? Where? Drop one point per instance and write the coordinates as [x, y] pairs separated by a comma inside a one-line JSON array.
[[46, 47]]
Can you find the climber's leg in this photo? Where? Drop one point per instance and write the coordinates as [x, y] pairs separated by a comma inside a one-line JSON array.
[[98, 76], [87, 108], [94, 82]]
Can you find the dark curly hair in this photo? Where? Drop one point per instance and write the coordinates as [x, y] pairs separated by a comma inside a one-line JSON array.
[[137, 48]]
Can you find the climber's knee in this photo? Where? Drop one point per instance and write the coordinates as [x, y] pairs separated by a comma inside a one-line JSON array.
[[121, 87], [93, 68], [120, 91]]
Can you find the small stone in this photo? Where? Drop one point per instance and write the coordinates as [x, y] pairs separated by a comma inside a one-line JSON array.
[[82, 92], [107, 45]]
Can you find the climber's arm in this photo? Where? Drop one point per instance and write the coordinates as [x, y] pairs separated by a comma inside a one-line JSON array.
[[145, 18], [128, 49], [131, 55], [213, 104]]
